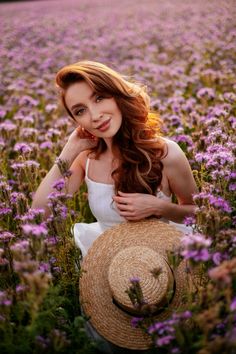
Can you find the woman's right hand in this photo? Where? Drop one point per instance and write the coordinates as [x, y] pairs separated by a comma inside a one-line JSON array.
[[79, 140]]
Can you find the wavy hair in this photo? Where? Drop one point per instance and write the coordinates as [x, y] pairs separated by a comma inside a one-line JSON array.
[[141, 149]]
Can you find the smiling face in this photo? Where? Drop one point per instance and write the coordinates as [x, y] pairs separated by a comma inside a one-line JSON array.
[[95, 112]]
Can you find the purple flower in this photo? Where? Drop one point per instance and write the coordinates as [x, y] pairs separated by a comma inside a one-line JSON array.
[[33, 215], [166, 340], [26, 164], [214, 201], [27, 100], [59, 185], [183, 139], [20, 288], [195, 247], [232, 187], [35, 230], [233, 305], [206, 92], [51, 241], [20, 246], [4, 210], [217, 258], [50, 107], [6, 236], [186, 314], [23, 148], [134, 280], [44, 267], [136, 321], [190, 220], [4, 300], [220, 203], [46, 145], [7, 126], [16, 197]]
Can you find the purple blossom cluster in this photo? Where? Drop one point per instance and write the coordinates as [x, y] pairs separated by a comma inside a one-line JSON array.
[[35, 230], [213, 201], [196, 247], [165, 332]]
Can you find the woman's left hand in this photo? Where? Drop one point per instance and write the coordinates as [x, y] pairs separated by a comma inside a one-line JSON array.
[[137, 206]]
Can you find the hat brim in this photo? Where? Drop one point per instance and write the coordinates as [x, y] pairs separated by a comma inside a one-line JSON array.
[[109, 320]]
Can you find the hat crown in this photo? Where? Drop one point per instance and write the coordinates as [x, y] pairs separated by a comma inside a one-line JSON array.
[[153, 271]]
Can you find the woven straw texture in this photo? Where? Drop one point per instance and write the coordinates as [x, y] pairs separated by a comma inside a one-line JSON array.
[[107, 272]]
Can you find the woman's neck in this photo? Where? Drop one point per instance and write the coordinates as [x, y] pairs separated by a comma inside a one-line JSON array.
[[112, 150], [109, 144]]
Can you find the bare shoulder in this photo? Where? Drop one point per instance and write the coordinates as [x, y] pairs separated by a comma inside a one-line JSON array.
[[80, 160], [178, 172], [174, 154]]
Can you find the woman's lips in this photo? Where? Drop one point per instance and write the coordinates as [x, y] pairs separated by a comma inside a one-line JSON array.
[[104, 126]]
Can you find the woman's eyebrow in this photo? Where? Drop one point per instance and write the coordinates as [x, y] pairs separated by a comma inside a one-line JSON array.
[[81, 104]]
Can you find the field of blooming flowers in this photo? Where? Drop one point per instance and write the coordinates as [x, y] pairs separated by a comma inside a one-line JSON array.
[[185, 53]]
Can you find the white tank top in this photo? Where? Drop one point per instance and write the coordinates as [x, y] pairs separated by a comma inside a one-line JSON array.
[[101, 203]]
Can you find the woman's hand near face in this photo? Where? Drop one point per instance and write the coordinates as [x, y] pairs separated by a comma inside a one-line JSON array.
[[78, 141], [137, 206]]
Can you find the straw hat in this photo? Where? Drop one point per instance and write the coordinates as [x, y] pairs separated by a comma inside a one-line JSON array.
[[131, 249]]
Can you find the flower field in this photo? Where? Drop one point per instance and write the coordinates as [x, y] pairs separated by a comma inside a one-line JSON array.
[[185, 52]]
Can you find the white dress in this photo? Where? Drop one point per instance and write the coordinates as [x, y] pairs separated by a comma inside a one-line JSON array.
[[104, 209]]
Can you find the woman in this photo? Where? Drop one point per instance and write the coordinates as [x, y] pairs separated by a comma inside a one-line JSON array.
[[130, 170]]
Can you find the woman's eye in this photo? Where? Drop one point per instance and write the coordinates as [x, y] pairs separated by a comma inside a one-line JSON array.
[[99, 98], [79, 112]]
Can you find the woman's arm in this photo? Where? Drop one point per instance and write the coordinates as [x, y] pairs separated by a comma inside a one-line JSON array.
[[136, 206], [74, 152], [181, 183]]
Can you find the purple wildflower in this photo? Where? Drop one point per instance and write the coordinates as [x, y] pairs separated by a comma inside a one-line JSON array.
[[26, 164], [20, 246], [190, 221], [134, 280], [50, 107], [7, 126], [46, 145], [195, 247], [33, 215], [22, 148], [20, 288], [217, 258], [44, 267], [136, 321], [165, 340], [206, 92], [59, 185], [27, 100], [4, 300], [6, 236], [233, 305], [232, 187], [16, 197], [35, 230], [4, 210]]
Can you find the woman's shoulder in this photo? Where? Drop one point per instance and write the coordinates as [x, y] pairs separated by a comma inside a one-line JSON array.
[[173, 153], [81, 159]]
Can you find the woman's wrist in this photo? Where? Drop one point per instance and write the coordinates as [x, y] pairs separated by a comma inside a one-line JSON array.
[[159, 207], [64, 167], [68, 154]]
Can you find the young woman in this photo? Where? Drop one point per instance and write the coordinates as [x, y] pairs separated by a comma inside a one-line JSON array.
[[130, 170]]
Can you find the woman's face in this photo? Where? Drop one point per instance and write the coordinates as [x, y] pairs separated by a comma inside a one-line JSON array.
[[97, 114]]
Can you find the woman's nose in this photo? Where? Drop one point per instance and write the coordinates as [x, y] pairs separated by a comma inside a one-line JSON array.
[[96, 116]]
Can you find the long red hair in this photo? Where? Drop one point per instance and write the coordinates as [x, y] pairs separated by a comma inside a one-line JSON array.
[[141, 149]]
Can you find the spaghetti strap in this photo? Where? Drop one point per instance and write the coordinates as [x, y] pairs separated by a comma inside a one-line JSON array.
[[86, 167]]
